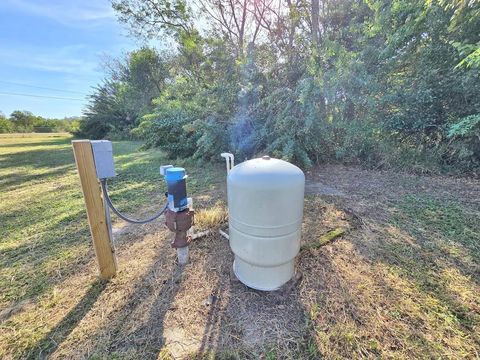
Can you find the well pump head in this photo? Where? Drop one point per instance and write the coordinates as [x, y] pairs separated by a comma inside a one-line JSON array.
[[178, 217]]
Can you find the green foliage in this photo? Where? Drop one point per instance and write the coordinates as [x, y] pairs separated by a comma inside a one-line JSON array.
[[467, 127], [378, 83], [148, 18], [191, 117], [125, 95], [6, 125], [25, 121], [292, 123], [464, 24], [103, 111], [168, 131], [466, 142], [213, 139]]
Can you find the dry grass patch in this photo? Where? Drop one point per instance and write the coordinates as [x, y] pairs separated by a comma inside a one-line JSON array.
[[401, 282], [211, 217]]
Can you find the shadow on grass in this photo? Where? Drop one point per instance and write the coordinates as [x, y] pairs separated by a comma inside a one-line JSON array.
[[60, 140], [163, 311], [14, 181], [149, 337], [424, 268], [48, 344], [60, 152], [243, 323], [25, 265], [39, 158], [431, 248]]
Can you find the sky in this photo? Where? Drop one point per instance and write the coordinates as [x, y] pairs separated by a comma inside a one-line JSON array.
[[53, 50]]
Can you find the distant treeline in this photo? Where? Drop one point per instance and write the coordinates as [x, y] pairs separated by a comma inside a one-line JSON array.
[[26, 122], [380, 83]]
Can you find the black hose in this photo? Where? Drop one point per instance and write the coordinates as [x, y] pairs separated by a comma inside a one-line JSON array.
[[120, 215]]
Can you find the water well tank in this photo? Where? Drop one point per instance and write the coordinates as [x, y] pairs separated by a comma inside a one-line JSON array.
[[265, 204]]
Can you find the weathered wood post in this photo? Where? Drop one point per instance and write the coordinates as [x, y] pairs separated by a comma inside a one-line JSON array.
[[96, 211]]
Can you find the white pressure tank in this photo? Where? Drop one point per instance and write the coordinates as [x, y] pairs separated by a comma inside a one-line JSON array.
[[265, 206]]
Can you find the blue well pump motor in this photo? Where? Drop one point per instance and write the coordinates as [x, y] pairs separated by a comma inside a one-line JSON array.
[[175, 177]]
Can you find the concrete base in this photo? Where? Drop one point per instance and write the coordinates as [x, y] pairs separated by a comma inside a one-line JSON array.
[[182, 255]]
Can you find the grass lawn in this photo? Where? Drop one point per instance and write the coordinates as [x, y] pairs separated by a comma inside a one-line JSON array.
[[44, 232], [402, 282]]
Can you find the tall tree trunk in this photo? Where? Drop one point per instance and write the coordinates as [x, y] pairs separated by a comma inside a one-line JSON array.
[[241, 33], [315, 21]]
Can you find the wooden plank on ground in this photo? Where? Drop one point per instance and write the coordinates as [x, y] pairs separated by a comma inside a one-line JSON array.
[[324, 239]]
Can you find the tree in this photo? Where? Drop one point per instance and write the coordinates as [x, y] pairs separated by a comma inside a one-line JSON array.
[[126, 94], [24, 121], [6, 125], [106, 112], [463, 27], [147, 18], [240, 21], [315, 20], [319, 80]]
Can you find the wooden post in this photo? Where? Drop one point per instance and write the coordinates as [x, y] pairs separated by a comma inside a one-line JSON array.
[[92, 194]]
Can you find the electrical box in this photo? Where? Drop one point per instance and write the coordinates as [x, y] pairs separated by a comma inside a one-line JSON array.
[[103, 156], [163, 169]]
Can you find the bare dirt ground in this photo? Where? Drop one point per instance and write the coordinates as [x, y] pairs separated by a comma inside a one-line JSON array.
[[367, 191], [398, 284]]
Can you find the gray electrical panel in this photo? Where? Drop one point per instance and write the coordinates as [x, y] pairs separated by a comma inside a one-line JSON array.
[[103, 156]]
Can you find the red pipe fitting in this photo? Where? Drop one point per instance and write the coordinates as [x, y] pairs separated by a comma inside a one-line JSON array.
[[179, 223]]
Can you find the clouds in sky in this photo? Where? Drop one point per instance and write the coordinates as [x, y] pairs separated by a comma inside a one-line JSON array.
[[69, 59], [70, 12], [57, 44]]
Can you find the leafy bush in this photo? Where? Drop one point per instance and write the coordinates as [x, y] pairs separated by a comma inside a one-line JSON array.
[[213, 138], [465, 136], [6, 125], [376, 83], [290, 124], [170, 131], [467, 127]]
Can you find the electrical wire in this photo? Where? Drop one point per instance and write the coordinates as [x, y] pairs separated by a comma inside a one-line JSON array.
[[40, 96], [120, 215], [41, 87]]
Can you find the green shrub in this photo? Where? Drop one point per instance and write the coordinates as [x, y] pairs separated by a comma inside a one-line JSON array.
[[291, 124], [212, 139], [171, 131], [465, 145], [6, 125]]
